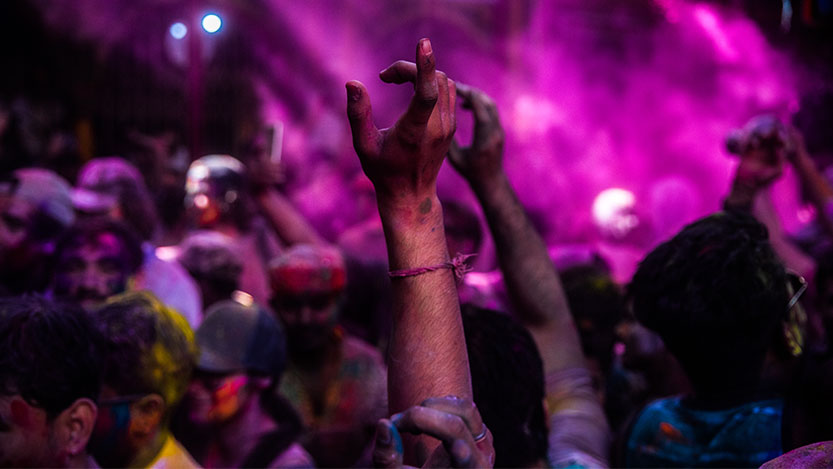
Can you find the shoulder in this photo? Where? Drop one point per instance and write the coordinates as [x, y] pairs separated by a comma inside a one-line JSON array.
[[815, 455], [173, 455]]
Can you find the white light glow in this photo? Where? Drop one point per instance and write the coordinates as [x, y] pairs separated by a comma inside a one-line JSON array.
[[613, 211], [178, 30], [211, 23]]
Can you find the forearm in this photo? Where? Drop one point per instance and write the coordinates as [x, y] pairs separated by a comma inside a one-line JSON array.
[[816, 187], [531, 279], [427, 353], [790, 255], [427, 349], [288, 223]]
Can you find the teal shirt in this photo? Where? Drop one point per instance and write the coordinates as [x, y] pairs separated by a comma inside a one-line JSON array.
[[668, 434]]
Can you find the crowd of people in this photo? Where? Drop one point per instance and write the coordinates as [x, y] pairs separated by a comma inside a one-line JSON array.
[[243, 337]]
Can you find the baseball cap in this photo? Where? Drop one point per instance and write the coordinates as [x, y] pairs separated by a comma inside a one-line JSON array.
[[47, 191], [233, 338]]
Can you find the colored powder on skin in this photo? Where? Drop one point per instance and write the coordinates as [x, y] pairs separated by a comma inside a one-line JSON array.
[[226, 398]]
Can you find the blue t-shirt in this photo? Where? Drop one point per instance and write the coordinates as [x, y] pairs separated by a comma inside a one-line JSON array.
[[668, 434]]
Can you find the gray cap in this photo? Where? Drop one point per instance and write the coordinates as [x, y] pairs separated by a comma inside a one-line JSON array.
[[237, 338], [46, 191]]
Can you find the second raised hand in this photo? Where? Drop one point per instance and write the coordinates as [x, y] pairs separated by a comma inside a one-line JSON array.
[[483, 158]]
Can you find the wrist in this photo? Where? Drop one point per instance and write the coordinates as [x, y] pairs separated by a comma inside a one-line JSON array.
[[487, 182], [739, 200], [408, 206]]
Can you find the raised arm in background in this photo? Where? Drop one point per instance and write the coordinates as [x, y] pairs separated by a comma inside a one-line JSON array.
[[578, 428], [427, 353], [288, 223], [761, 164], [815, 185], [531, 280]]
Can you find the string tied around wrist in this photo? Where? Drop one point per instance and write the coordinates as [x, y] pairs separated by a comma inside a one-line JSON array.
[[457, 265]]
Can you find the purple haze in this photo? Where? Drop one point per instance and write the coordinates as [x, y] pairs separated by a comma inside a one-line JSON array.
[[594, 94]]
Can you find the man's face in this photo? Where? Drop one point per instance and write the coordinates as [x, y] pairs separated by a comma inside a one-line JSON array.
[[114, 442], [27, 437], [92, 271], [309, 318]]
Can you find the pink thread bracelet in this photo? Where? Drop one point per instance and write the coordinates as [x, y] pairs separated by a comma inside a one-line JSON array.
[[457, 265]]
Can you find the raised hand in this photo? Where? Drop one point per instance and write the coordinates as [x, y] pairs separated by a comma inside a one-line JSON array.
[[483, 158], [403, 161], [454, 421]]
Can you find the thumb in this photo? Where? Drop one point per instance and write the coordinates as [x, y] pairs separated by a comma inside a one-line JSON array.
[[360, 115], [388, 450]]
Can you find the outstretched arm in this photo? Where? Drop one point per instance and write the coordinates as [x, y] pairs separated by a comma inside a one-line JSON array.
[[814, 183], [531, 280], [578, 428], [288, 223], [427, 354], [760, 166]]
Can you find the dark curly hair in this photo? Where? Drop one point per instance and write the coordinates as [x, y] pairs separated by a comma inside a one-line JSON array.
[[507, 378], [715, 294], [49, 353]]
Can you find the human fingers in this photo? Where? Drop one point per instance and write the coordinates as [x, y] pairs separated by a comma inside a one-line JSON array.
[[452, 102], [359, 113], [388, 451], [399, 72], [426, 92], [450, 429], [463, 408], [445, 113], [482, 106]]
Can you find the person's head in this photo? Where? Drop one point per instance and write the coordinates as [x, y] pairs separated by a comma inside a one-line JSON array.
[[116, 178], [35, 208], [598, 305], [49, 382], [242, 357], [462, 229], [716, 294], [94, 260], [215, 191], [211, 260], [507, 378], [307, 284], [149, 352]]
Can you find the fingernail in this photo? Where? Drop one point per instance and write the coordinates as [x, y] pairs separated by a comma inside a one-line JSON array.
[[426, 46], [353, 92]]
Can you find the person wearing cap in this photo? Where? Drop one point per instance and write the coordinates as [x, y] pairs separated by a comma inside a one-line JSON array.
[[217, 198], [35, 208], [113, 188], [148, 352], [242, 357], [336, 381]]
